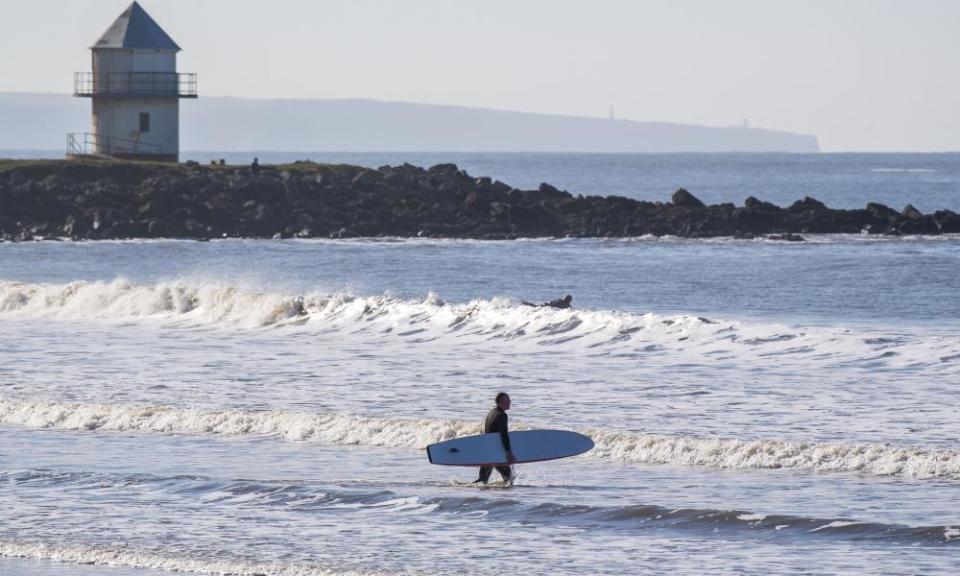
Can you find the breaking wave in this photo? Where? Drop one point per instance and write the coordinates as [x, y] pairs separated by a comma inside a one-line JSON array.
[[416, 434], [177, 303], [122, 299], [102, 556]]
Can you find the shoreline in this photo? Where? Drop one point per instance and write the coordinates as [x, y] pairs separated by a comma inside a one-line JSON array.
[[114, 200]]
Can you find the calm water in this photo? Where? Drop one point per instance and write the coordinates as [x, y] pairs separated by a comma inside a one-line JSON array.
[[262, 406]]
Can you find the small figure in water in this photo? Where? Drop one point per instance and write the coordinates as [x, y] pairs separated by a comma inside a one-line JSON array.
[[561, 302], [496, 421], [564, 302], [255, 168], [298, 308]]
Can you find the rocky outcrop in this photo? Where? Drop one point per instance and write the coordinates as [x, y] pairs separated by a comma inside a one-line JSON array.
[[100, 200]]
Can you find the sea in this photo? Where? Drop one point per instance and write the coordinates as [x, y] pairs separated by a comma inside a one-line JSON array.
[[254, 407]]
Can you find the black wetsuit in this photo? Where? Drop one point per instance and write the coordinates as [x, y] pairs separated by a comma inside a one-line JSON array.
[[496, 422], [558, 303]]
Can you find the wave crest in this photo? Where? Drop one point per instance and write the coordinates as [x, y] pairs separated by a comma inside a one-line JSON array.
[[347, 429], [121, 299], [873, 459], [498, 319], [156, 561]]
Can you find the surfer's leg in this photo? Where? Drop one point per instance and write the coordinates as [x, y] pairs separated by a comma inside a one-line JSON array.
[[485, 472], [506, 472]]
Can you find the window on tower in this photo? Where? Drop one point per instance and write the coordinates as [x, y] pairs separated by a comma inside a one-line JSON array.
[[144, 122]]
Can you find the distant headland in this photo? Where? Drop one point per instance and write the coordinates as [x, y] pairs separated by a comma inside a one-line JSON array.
[[34, 121], [93, 199]]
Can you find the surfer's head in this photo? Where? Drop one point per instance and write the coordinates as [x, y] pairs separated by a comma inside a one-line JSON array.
[[503, 401]]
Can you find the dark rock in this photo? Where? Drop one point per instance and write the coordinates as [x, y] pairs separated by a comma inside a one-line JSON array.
[[682, 198], [948, 221], [807, 204], [75, 227], [17, 179], [366, 179], [919, 225], [725, 208], [881, 210], [755, 220], [444, 169], [911, 213], [125, 200], [548, 192], [498, 189], [8, 226], [754, 204], [788, 237], [158, 228]]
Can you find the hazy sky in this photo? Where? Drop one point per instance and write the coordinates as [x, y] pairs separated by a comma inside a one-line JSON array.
[[860, 74]]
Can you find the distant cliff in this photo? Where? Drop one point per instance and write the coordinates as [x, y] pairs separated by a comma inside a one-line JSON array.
[[101, 200], [39, 121]]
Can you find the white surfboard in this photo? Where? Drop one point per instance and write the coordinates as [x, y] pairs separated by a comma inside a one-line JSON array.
[[527, 445]]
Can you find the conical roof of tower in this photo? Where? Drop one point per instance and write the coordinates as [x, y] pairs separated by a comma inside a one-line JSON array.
[[136, 29]]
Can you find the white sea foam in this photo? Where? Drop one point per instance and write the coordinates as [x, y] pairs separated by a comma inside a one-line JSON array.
[[178, 303], [217, 304], [415, 434], [836, 524], [122, 299], [874, 459], [342, 429], [158, 561]]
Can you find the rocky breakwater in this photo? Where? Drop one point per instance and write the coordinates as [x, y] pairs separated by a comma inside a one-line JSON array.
[[110, 200]]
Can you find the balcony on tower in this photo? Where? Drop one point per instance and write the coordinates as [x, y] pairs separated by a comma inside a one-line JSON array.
[[141, 84]]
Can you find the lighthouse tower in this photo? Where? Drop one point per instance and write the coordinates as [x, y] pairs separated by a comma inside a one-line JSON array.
[[136, 90]]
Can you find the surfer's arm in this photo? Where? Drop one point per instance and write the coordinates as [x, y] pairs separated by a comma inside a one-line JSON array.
[[505, 437], [502, 429]]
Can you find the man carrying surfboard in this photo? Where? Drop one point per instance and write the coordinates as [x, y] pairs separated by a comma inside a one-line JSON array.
[[494, 448], [496, 422]]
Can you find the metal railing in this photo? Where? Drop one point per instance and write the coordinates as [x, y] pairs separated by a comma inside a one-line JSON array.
[[87, 144], [163, 84]]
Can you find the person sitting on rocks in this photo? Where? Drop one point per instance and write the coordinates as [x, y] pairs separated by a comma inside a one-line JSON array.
[[255, 168], [564, 302]]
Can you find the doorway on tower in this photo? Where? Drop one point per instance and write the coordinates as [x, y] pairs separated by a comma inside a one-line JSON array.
[[144, 122]]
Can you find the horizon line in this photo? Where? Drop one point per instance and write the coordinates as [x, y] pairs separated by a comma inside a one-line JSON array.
[[467, 107]]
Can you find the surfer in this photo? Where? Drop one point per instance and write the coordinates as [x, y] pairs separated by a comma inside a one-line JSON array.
[[564, 302], [561, 302], [496, 421]]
